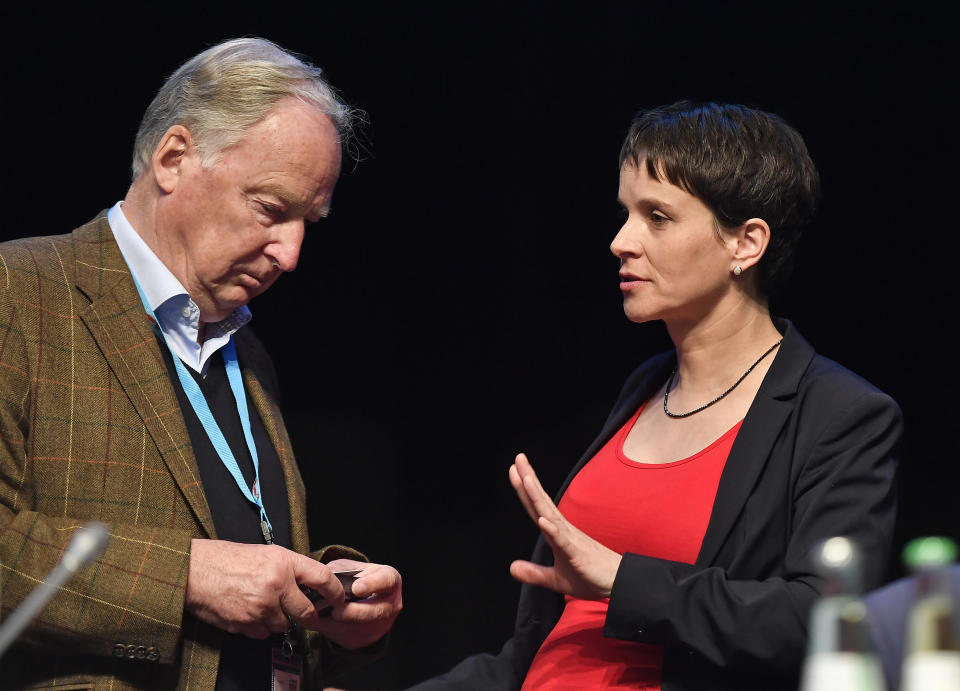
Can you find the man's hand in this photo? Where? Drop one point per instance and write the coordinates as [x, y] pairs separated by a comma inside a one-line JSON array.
[[253, 589], [583, 567], [361, 623]]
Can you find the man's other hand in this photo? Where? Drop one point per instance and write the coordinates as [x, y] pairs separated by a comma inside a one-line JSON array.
[[363, 622]]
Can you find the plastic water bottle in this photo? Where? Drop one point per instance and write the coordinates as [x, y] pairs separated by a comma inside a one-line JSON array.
[[932, 657], [839, 653]]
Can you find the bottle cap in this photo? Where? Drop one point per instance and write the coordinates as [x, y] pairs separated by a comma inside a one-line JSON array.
[[837, 560], [837, 553], [926, 552]]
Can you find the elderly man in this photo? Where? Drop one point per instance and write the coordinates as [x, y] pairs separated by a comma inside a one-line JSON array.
[[132, 393]]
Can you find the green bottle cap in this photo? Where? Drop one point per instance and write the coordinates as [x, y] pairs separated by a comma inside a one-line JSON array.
[[926, 552]]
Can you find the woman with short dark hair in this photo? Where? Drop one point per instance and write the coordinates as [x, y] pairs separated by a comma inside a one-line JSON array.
[[676, 556]]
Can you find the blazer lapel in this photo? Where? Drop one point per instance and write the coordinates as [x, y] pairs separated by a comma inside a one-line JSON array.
[[122, 330], [755, 441], [277, 432], [637, 390]]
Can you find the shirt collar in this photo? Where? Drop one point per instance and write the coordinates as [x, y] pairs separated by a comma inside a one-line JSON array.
[[177, 314], [156, 280]]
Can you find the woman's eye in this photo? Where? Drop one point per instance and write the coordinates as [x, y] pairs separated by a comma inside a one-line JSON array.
[[658, 218]]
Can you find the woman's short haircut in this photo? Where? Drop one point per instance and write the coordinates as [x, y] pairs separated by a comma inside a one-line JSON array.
[[220, 93], [741, 162]]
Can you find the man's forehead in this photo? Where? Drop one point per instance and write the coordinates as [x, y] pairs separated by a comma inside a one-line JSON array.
[[293, 155], [291, 126], [292, 111]]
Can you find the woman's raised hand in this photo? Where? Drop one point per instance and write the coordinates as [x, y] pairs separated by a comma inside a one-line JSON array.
[[582, 567]]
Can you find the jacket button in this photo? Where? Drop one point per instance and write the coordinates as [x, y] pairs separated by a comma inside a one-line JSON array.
[[119, 650], [131, 651], [141, 652], [153, 654]]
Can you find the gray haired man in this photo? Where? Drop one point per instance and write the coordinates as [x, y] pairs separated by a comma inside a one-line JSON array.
[[132, 392]]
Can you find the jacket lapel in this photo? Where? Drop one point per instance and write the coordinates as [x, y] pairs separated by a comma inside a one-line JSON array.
[[755, 441], [637, 390], [277, 432], [121, 329]]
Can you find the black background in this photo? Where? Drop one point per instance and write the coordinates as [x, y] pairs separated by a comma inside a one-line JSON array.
[[461, 304]]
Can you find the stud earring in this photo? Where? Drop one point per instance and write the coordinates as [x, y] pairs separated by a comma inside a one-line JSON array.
[[737, 270]]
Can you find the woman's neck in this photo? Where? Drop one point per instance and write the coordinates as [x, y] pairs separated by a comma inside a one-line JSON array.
[[717, 350]]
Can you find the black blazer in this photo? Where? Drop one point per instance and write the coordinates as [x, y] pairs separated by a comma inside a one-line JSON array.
[[814, 457]]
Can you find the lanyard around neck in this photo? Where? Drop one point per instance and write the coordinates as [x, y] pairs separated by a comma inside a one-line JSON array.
[[199, 404]]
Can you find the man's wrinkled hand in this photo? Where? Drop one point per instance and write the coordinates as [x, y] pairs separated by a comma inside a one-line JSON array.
[[254, 589]]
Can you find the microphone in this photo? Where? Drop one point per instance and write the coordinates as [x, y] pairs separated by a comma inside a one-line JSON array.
[[88, 543]]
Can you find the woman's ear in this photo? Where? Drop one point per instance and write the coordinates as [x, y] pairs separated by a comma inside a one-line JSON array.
[[752, 239]]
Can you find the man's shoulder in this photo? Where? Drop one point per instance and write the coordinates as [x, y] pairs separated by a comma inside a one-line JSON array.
[[26, 261], [29, 257], [92, 231], [21, 248]]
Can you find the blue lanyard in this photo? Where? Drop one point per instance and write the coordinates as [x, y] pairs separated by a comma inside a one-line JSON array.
[[210, 426]]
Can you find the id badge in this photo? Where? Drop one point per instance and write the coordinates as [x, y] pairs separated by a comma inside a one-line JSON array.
[[286, 670]]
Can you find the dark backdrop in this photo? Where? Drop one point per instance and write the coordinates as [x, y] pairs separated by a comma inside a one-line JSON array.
[[461, 303]]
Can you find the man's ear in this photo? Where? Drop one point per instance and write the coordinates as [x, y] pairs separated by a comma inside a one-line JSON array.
[[169, 157], [752, 240]]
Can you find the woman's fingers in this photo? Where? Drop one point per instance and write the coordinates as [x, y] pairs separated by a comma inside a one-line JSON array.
[[540, 501], [517, 484], [535, 500], [534, 574]]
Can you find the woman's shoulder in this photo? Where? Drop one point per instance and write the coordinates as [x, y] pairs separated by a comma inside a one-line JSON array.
[[814, 377], [828, 381]]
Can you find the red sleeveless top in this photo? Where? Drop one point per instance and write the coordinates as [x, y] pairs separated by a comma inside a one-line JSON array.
[[656, 509]]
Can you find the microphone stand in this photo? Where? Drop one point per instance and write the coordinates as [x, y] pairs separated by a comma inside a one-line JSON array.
[[88, 543]]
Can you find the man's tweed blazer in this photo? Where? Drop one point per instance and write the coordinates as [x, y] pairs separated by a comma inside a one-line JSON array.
[[90, 428]]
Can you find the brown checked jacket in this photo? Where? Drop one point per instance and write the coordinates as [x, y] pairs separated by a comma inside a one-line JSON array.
[[90, 428]]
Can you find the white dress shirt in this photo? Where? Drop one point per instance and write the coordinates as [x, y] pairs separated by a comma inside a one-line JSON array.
[[177, 313]]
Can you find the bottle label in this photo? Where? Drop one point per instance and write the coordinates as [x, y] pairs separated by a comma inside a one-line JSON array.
[[931, 670], [836, 670]]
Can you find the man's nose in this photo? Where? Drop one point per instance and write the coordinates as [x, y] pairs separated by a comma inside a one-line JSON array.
[[284, 248]]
